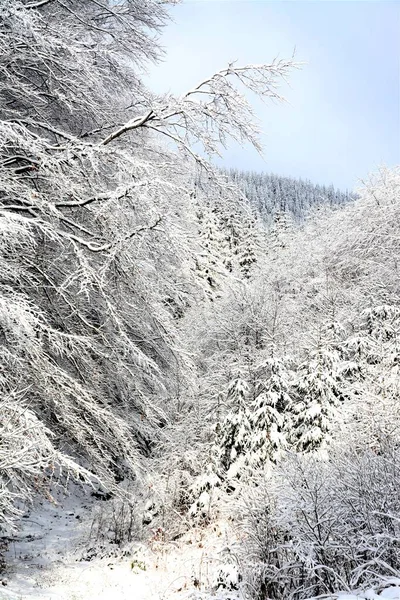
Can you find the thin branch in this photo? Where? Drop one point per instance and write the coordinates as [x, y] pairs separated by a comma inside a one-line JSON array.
[[46, 126], [38, 4], [106, 247], [135, 124], [79, 203]]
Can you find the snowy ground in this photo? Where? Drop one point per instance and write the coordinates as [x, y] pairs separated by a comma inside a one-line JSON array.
[[392, 591], [49, 562], [46, 561]]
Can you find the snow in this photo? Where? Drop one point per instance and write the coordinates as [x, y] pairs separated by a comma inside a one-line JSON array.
[[50, 561], [391, 592], [347, 597]]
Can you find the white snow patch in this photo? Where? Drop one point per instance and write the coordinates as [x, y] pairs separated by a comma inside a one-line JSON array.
[[391, 592]]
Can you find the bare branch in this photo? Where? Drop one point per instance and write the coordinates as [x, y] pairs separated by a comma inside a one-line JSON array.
[[130, 126], [37, 4], [106, 247]]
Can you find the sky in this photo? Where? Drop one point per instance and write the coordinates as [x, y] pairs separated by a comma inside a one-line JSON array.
[[342, 119]]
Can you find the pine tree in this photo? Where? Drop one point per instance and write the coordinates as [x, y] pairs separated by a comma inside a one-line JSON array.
[[233, 435], [280, 230], [320, 391], [270, 416], [268, 438], [202, 491], [212, 259], [247, 250], [382, 322]]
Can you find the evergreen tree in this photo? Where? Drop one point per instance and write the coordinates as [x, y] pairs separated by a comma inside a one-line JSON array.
[[319, 391], [268, 438], [280, 230], [233, 435], [270, 416], [212, 258], [202, 490], [247, 249]]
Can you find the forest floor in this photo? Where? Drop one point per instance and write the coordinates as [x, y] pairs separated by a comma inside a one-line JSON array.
[[53, 559]]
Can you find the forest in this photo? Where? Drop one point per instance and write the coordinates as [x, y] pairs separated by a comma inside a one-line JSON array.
[[199, 367], [272, 195]]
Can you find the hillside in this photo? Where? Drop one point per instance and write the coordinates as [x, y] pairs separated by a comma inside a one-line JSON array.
[[272, 194]]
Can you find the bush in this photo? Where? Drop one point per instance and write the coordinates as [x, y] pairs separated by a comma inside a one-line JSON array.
[[318, 526]]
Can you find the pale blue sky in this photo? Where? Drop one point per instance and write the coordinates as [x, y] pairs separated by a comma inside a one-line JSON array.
[[343, 120]]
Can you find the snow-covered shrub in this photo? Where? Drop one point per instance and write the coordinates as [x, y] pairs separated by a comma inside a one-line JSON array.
[[117, 521], [204, 490], [319, 526], [228, 577]]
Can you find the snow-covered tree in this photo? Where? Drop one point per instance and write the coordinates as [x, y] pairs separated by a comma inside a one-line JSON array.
[[233, 433], [280, 231], [213, 256], [270, 416], [203, 491], [319, 390], [268, 439], [97, 220], [248, 247]]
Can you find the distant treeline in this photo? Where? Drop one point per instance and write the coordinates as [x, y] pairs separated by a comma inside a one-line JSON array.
[[271, 194]]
